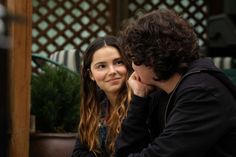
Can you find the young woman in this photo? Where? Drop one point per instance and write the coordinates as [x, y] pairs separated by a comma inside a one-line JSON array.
[[105, 97]]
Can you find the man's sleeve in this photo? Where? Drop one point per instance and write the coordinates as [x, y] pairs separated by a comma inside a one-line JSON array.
[[134, 133]]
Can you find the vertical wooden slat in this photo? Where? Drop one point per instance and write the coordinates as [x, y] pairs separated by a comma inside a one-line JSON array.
[[119, 12], [19, 78], [4, 114]]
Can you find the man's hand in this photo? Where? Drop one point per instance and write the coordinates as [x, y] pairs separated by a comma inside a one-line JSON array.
[[139, 88]]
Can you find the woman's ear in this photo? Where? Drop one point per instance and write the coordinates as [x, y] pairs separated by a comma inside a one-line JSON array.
[[90, 74]]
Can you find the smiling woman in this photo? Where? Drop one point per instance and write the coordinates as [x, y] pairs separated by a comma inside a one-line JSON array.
[[105, 97], [108, 71]]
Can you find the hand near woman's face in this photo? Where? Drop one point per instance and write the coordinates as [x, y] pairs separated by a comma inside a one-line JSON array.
[[139, 88]]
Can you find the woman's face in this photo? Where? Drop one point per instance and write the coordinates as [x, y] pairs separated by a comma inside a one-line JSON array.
[[108, 69]]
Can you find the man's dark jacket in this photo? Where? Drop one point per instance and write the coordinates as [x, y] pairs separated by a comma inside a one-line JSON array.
[[197, 120]]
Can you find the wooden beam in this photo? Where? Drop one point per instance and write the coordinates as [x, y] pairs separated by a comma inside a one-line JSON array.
[[119, 13], [19, 78], [4, 112]]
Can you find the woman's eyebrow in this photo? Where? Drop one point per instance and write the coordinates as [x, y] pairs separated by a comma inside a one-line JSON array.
[[102, 62], [117, 58]]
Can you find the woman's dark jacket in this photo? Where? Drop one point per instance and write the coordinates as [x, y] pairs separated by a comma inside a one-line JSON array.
[[198, 120], [80, 150]]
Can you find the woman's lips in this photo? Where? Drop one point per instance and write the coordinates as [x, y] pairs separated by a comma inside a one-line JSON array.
[[113, 79]]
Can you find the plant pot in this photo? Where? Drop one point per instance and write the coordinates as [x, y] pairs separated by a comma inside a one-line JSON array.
[[52, 144]]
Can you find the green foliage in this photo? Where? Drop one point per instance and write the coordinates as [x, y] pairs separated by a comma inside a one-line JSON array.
[[55, 100]]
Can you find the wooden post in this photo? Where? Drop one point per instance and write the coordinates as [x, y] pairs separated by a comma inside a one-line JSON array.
[[119, 13], [4, 112], [19, 78]]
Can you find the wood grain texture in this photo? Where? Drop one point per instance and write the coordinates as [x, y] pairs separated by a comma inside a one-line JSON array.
[[19, 78]]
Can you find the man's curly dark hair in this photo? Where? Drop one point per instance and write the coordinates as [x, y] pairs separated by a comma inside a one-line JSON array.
[[163, 40]]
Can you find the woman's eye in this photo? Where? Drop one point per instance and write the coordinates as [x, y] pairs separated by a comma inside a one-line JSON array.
[[119, 62], [101, 66]]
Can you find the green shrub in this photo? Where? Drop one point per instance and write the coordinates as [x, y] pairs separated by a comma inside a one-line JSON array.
[[55, 100]]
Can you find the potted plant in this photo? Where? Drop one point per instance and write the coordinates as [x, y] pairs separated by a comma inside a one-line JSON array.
[[55, 104]]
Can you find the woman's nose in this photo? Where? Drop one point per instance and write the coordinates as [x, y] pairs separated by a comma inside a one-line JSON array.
[[112, 69]]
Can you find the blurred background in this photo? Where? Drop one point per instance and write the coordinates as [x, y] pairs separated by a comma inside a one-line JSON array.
[[72, 24], [60, 30]]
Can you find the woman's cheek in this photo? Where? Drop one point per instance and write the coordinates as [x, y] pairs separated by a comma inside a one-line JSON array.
[[99, 76]]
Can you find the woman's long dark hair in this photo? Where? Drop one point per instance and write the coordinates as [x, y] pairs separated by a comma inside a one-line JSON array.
[[91, 98]]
